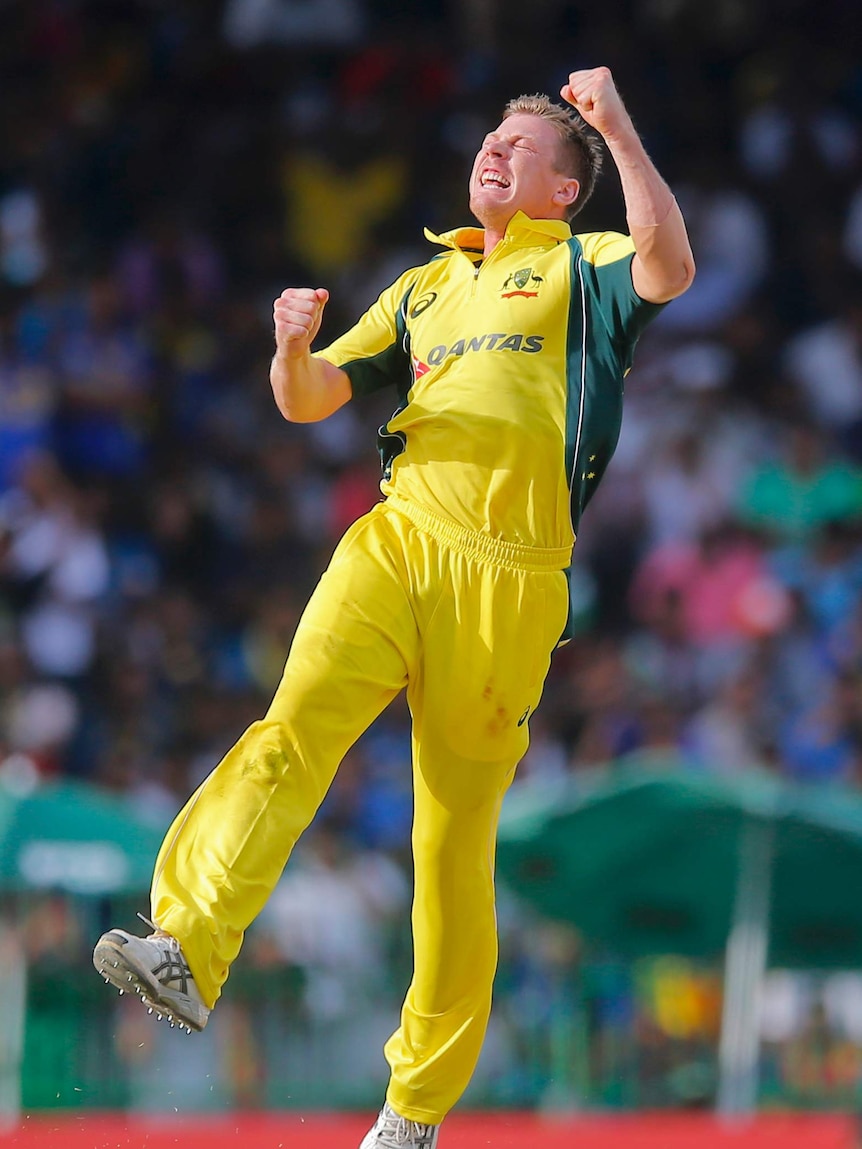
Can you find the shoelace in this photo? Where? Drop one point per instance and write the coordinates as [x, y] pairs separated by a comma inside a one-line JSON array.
[[173, 967], [397, 1132], [167, 939]]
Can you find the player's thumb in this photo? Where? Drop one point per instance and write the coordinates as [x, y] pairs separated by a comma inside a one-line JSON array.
[[322, 295]]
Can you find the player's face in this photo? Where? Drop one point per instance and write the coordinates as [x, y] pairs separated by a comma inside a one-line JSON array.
[[516, 170]]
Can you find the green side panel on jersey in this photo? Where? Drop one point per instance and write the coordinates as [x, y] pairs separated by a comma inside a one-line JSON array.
[[606, 317], [391, 444], [594, 385], [625, 314], [391, 365], [574, 396], [574, 361]]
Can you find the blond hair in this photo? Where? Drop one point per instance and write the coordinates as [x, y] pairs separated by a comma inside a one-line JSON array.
[[581, 153]]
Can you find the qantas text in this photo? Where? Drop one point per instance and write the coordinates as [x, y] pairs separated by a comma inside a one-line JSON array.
[[496, 341]]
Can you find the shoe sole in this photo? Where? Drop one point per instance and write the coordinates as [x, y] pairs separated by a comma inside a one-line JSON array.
[[115, 968]]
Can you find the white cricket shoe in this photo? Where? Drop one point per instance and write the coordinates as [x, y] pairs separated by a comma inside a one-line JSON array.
[[156, 969], [390, 1131]]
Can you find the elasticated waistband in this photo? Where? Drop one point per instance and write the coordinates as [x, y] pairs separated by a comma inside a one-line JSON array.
[[475, 545]]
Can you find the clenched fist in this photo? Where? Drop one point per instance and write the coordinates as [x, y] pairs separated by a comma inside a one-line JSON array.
[[593, 93], [297, 313]]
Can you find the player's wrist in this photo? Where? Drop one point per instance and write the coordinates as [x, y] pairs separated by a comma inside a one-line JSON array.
[[625, 145], [623, 139], [290, 355]]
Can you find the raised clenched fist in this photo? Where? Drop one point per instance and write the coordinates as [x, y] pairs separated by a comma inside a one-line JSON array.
[[297, 313], [593, 93]]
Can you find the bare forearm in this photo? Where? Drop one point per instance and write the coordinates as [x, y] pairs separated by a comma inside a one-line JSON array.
[[307, 389], [648, 198], [664, 266]]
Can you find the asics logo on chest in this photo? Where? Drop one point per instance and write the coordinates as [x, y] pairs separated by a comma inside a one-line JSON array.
[[422, 304]]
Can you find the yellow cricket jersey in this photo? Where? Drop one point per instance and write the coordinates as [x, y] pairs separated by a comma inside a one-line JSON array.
[[509, 372]]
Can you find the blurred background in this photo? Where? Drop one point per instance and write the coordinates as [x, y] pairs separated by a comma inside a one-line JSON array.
[[167, 167]]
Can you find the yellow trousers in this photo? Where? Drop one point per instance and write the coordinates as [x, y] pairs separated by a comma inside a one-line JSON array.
[[467, 623]]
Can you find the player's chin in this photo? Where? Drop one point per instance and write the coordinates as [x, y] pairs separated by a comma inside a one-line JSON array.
[[484, 201]]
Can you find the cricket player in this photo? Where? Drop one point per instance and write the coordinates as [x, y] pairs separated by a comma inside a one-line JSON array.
[[507, 351]]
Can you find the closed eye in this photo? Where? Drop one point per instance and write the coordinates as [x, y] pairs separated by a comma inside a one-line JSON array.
[[490, 143]]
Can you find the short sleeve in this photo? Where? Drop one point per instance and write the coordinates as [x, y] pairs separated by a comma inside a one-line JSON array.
[[607, 270], [374, 352]]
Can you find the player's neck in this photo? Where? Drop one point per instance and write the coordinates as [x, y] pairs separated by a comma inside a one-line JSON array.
[[493, 236], [494, 224]]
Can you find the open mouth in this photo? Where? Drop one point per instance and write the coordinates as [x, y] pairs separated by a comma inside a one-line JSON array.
[[492, 179]]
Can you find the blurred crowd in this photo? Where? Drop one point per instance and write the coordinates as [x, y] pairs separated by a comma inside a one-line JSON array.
[[167, 167]]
